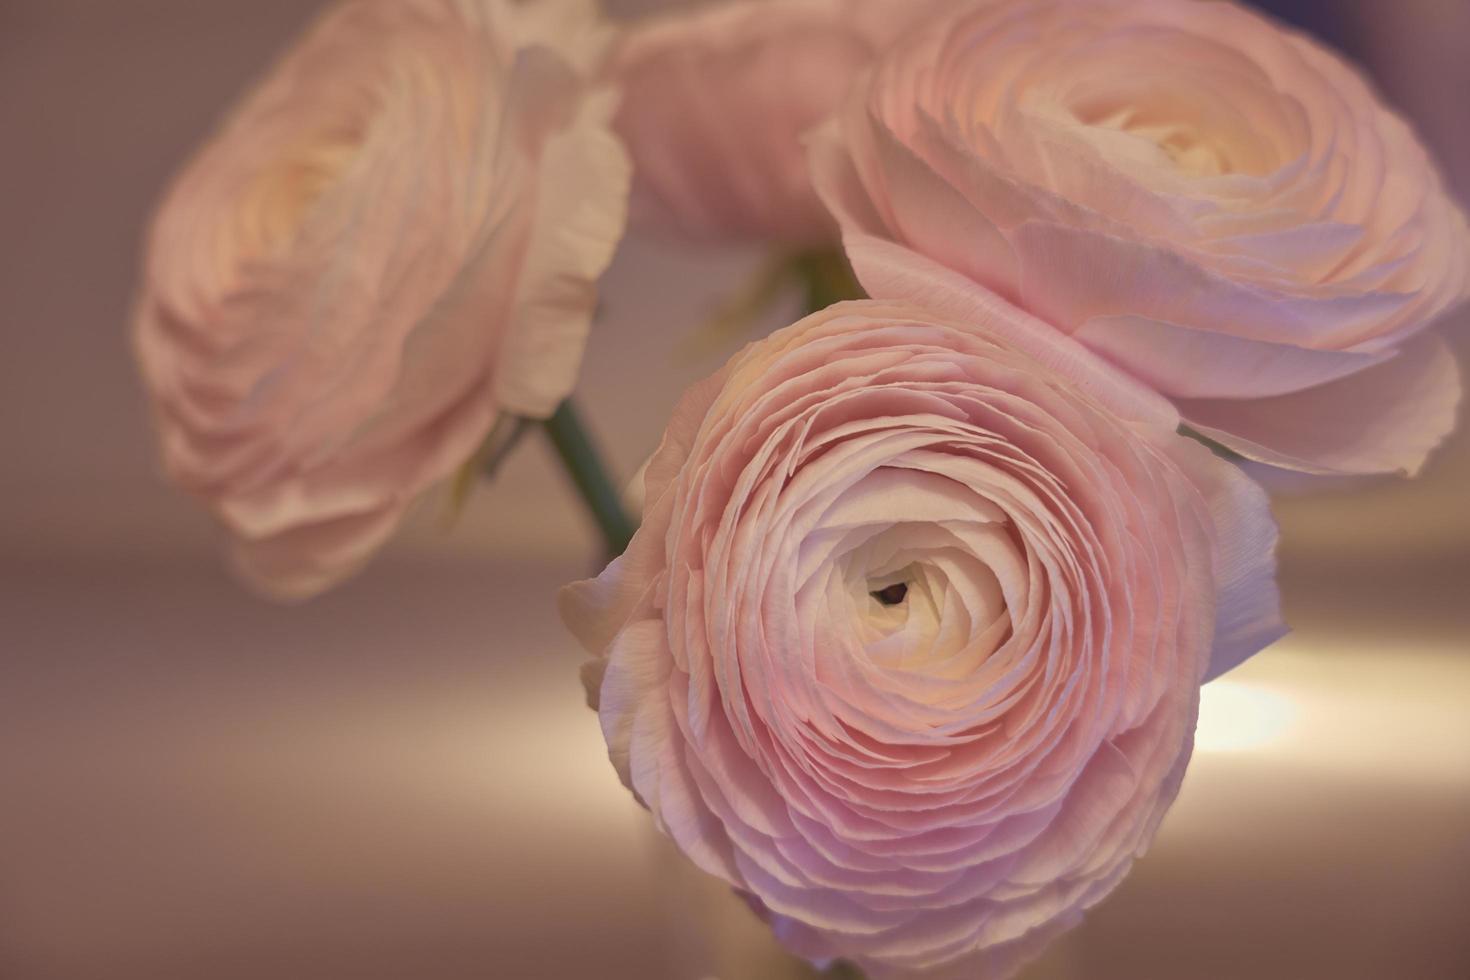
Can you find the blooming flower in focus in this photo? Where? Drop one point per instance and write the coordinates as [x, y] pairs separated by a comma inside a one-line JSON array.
[[908, 649]]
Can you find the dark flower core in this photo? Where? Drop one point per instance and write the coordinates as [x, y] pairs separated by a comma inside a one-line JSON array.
[[893, 595]]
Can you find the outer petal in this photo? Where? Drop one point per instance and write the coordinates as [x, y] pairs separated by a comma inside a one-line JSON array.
[[393, 238], [302, 562], [1186, 363], [889, 271], [596, 609], [575, 235], [1248, 614], [1384, 420], [1070, 275]]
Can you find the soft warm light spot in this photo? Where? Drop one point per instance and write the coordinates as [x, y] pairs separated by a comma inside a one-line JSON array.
[[1239, 717]]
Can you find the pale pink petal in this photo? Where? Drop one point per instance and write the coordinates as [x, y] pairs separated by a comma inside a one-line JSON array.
[[574, 239], [1184, 362], [1248, 613], [1387, 419], [888, 271], [300, 562], [838, 183], [636, 668], [595, 610], [1070, 275]]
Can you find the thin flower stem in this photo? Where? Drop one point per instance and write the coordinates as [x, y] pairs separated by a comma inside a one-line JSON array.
[[507, 433], [584, 465], [825, 277]]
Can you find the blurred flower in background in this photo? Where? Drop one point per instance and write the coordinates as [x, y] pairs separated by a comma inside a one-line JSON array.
[[391, 242], [716, 105]]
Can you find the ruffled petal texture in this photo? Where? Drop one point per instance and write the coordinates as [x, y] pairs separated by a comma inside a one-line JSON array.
[[1216, 205], [909, 645], [394, 238]]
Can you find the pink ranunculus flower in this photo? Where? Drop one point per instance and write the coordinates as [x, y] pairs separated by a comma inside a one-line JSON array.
[[717, 100], [908, 648], [1217, 205], [392, 241]]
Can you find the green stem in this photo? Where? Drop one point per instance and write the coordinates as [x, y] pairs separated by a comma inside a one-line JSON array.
[[584, 466], [825, 277]]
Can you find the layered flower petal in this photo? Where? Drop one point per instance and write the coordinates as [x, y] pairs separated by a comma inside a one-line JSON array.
[[908, 648], [1218, 206]]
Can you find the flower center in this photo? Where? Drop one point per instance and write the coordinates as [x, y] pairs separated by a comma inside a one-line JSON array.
[[282, 195], [1183, 143], [931, 613], [892, 595]]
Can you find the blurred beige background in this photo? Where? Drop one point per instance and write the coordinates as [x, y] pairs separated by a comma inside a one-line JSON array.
[[401, 781]]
